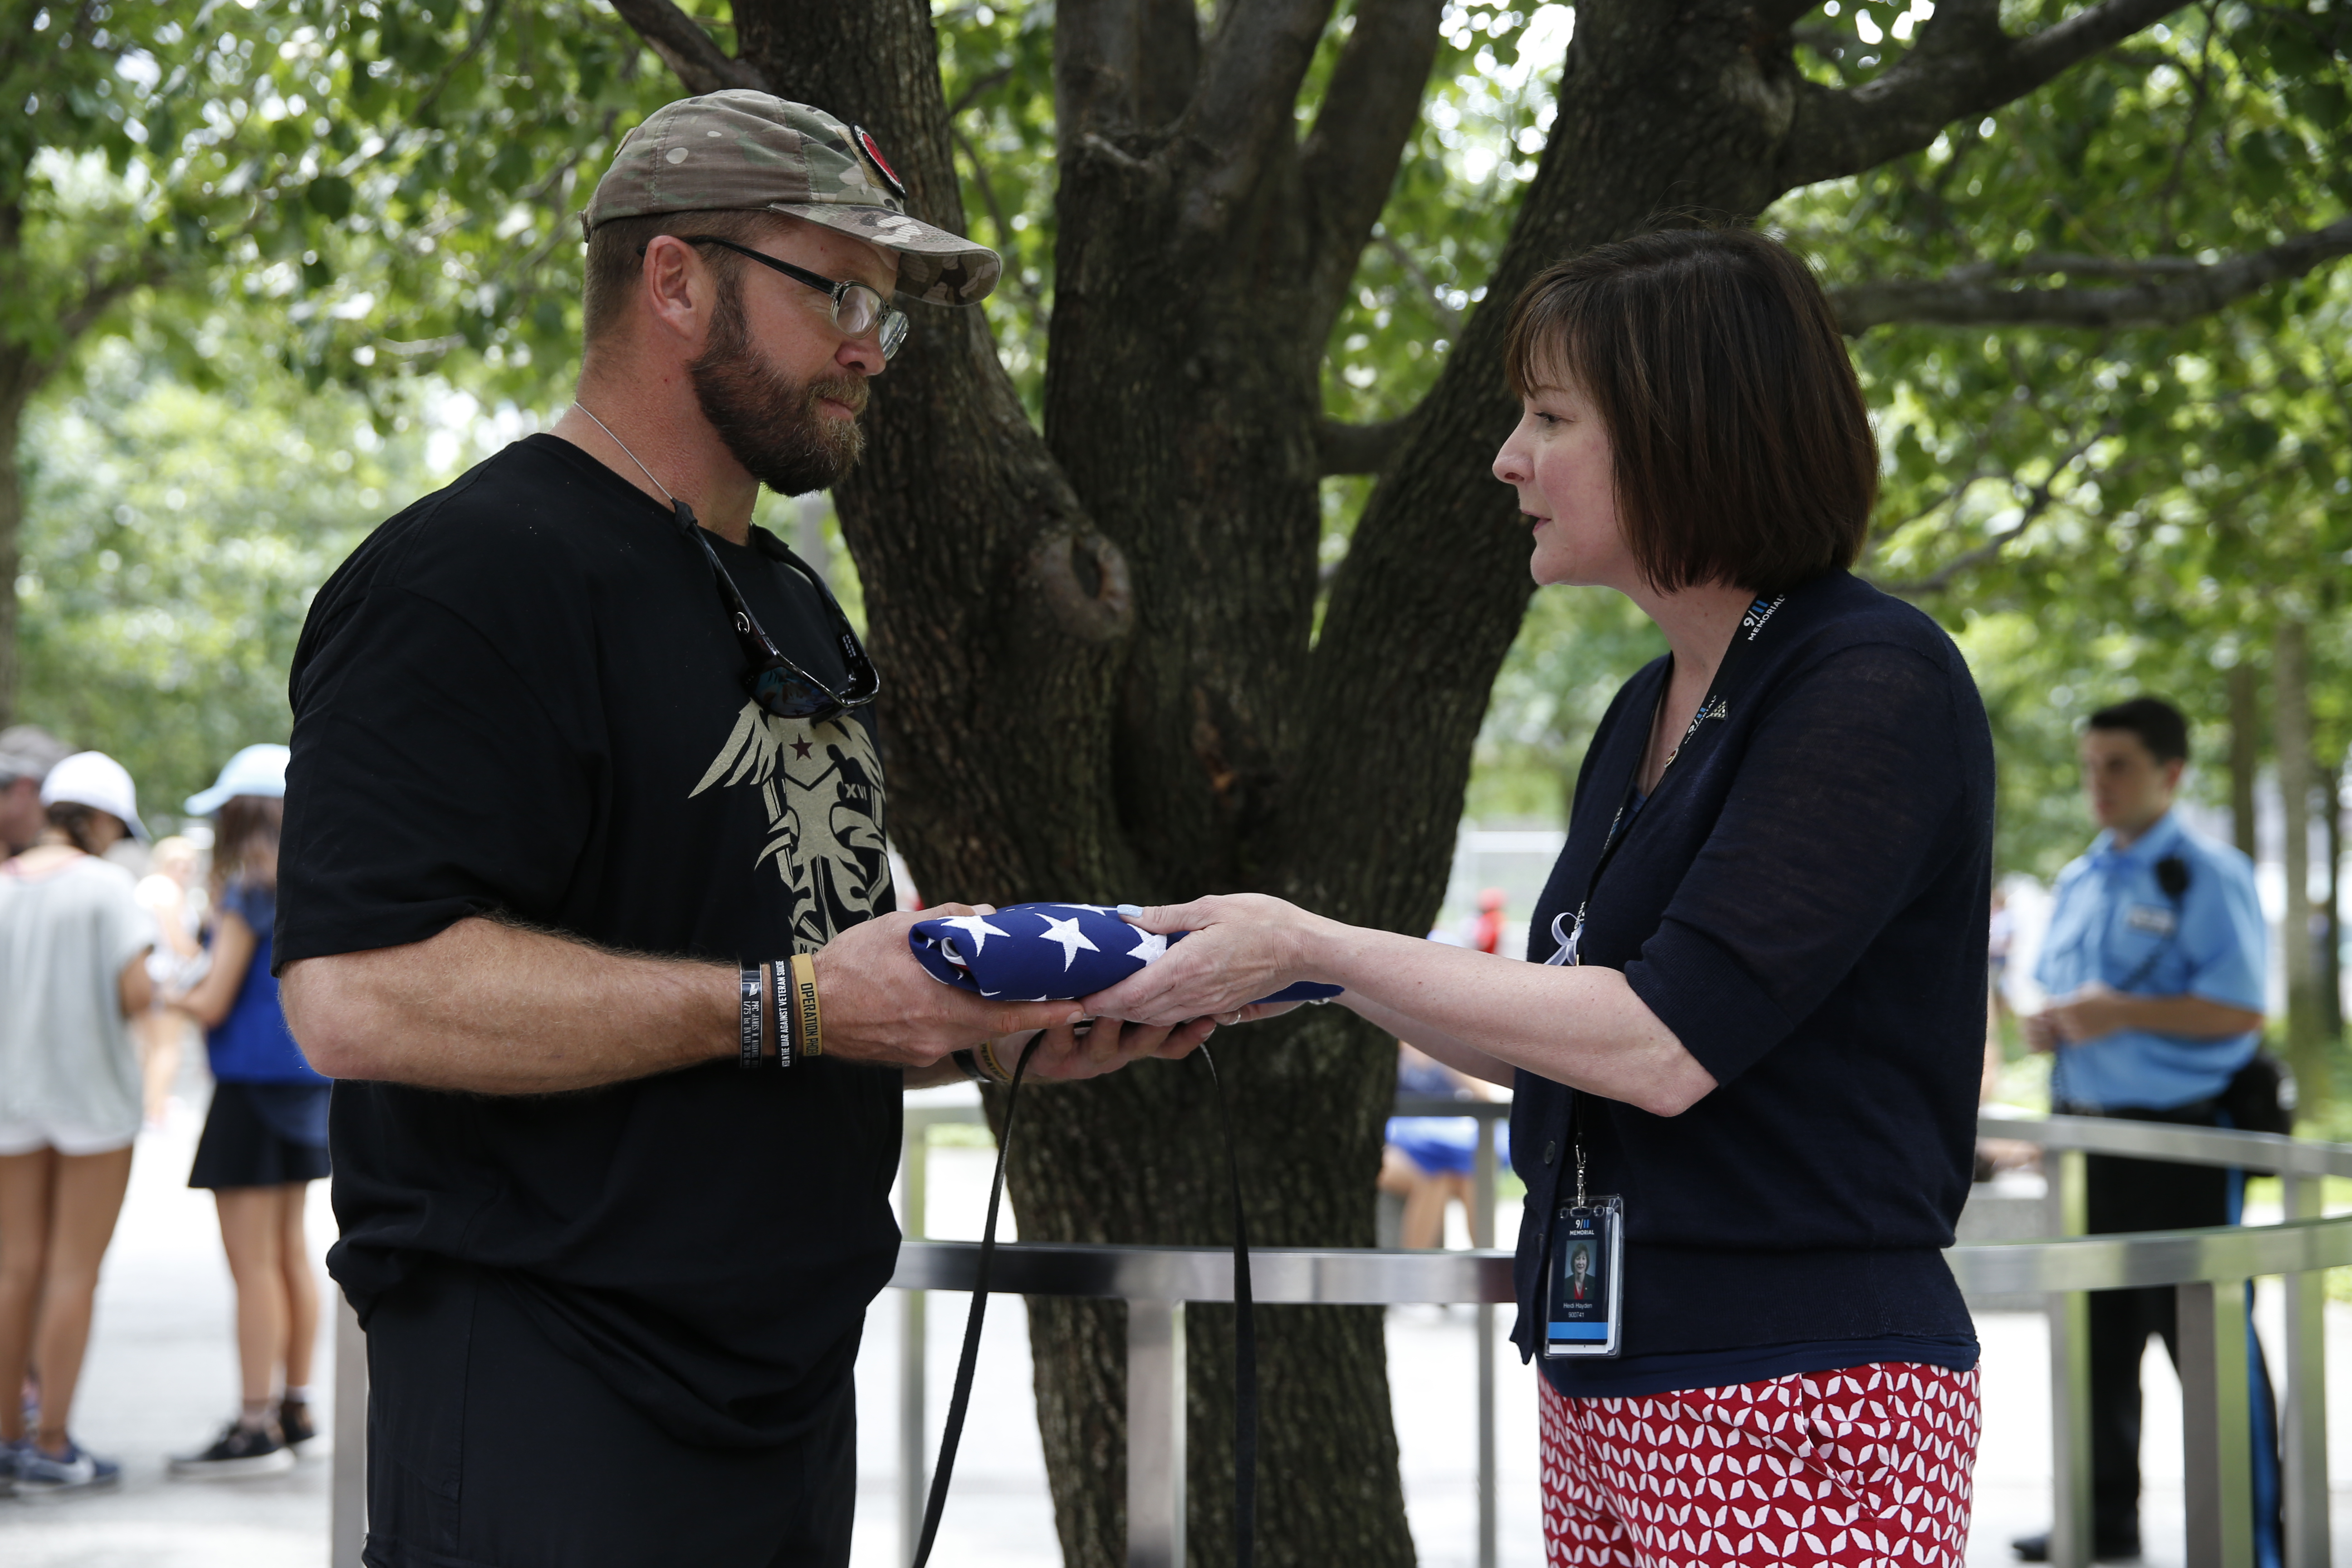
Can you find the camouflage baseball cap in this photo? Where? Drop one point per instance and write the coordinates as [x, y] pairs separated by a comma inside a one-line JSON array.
[[749, 151]]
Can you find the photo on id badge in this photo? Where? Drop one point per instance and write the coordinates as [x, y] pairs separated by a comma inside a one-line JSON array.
[[1585, 1279]]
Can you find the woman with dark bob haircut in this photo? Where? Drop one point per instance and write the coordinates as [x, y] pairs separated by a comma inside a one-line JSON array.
[[1745, 1066]]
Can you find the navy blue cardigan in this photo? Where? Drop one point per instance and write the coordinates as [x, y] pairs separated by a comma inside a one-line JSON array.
[[1803, 901]]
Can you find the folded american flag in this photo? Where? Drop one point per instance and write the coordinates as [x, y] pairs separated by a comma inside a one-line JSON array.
[[1051, 952]]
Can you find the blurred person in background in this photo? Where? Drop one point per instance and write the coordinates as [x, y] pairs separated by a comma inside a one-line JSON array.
[[28, 752], [1486, 930], [2153, 965], [73, 973], [1429, 1159], [169, 893], [265, 1138]]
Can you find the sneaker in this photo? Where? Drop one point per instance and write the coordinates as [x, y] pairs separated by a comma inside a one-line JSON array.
[[53, 1475], [294, 1423], [7, 1468], [239, 1450]]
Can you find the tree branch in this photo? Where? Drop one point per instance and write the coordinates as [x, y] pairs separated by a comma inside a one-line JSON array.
[[1349, 160], [1249, 88], [1096, 43], [1963, 64], [1448, 318], [2164, 293], [2039, 499], [1343, 448], [700, 63]]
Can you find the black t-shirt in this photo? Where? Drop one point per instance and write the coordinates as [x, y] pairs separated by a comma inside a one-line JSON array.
[[522, 696], [1803, 901]]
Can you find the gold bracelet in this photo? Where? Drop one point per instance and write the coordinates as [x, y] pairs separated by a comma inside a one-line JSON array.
[[811, 1023], [986, 1051]]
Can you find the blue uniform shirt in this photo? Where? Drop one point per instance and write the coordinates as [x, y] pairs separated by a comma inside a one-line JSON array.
[[2111, 922]]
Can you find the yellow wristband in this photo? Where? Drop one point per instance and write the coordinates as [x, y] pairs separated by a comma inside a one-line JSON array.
[[810, 1022], [994, 1069]]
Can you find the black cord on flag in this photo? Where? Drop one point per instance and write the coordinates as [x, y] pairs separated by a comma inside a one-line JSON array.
[[1244, 1344], [961, 1400], [1244, 1334]]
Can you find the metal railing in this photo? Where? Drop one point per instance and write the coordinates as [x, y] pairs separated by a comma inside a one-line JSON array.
[[1154, 1536], [2209, 1268]]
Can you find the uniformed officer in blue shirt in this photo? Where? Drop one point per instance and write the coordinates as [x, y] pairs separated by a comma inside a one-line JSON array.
[[2153, 963]]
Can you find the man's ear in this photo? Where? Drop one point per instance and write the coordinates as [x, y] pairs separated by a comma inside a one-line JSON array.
[[676, 290], [2172, 771]]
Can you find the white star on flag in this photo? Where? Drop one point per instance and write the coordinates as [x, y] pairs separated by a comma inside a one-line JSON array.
[[977, 928], [1068, 933], [1149, 946]]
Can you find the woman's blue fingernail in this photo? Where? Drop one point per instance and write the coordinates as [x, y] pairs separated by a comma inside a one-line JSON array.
[[1132, 911]]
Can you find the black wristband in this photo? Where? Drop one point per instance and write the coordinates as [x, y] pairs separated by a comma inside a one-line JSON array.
[[967, 1065], [787, 1036], [749, 994]]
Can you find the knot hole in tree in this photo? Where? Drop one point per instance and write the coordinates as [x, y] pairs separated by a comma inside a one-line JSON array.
[[1084, 580]]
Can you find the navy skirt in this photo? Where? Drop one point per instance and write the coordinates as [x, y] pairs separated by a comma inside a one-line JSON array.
[[262, 1135]]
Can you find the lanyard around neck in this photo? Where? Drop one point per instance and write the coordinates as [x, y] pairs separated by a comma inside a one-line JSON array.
[[1712, 706]]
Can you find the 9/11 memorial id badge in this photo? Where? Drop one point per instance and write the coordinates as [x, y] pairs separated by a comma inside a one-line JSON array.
[[1586, 1274]]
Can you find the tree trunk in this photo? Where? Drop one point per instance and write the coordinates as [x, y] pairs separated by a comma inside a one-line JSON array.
[[2331, 947], [2245, 754], [2306, 1046], [17, 379]]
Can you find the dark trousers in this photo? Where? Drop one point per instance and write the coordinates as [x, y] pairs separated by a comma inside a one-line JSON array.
[[2148, 1194], [490, 1448]]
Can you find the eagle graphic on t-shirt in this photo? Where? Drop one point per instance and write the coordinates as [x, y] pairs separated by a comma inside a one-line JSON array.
[[821, 786]]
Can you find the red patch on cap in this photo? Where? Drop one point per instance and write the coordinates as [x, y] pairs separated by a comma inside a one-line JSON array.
[[865, 139]]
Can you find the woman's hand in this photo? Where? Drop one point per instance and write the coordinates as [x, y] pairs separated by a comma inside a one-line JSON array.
[[1242, 946]]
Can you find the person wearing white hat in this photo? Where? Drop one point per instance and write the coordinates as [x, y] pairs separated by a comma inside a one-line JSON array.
[[265, 1138], [259, 771], [73, 973]]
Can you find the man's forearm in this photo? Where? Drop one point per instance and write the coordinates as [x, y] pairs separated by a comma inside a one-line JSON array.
[[498, 1009], [2191, 1017]]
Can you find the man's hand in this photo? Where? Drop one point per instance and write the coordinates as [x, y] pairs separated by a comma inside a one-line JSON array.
[[1073, 1051], [880, 1006], [2089, 1013], [2041, 1031]]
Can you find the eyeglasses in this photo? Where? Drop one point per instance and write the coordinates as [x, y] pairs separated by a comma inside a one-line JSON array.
[[777, 684], [858, 309]]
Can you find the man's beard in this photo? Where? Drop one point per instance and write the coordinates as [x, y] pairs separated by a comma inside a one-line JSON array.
[[774, 427]]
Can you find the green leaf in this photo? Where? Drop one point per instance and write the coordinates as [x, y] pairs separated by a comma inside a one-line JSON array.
[[330, 196]]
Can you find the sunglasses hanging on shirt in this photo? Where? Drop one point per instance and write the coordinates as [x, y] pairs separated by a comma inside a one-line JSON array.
[[777, 684]]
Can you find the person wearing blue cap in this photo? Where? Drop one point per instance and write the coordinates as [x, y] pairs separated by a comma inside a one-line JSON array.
[[73, 973], [265, 1138]]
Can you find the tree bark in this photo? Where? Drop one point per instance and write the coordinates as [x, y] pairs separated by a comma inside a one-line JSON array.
[[14, 390], [2290, 673], [2331, 946], [2245, 755]]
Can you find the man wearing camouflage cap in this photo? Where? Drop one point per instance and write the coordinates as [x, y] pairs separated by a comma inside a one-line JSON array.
[[583, 779]]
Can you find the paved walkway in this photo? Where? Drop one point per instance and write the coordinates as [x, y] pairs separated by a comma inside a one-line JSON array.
[[162, 1376]]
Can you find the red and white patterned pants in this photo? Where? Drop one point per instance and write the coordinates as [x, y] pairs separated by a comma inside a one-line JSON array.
[[1867, 1466]]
